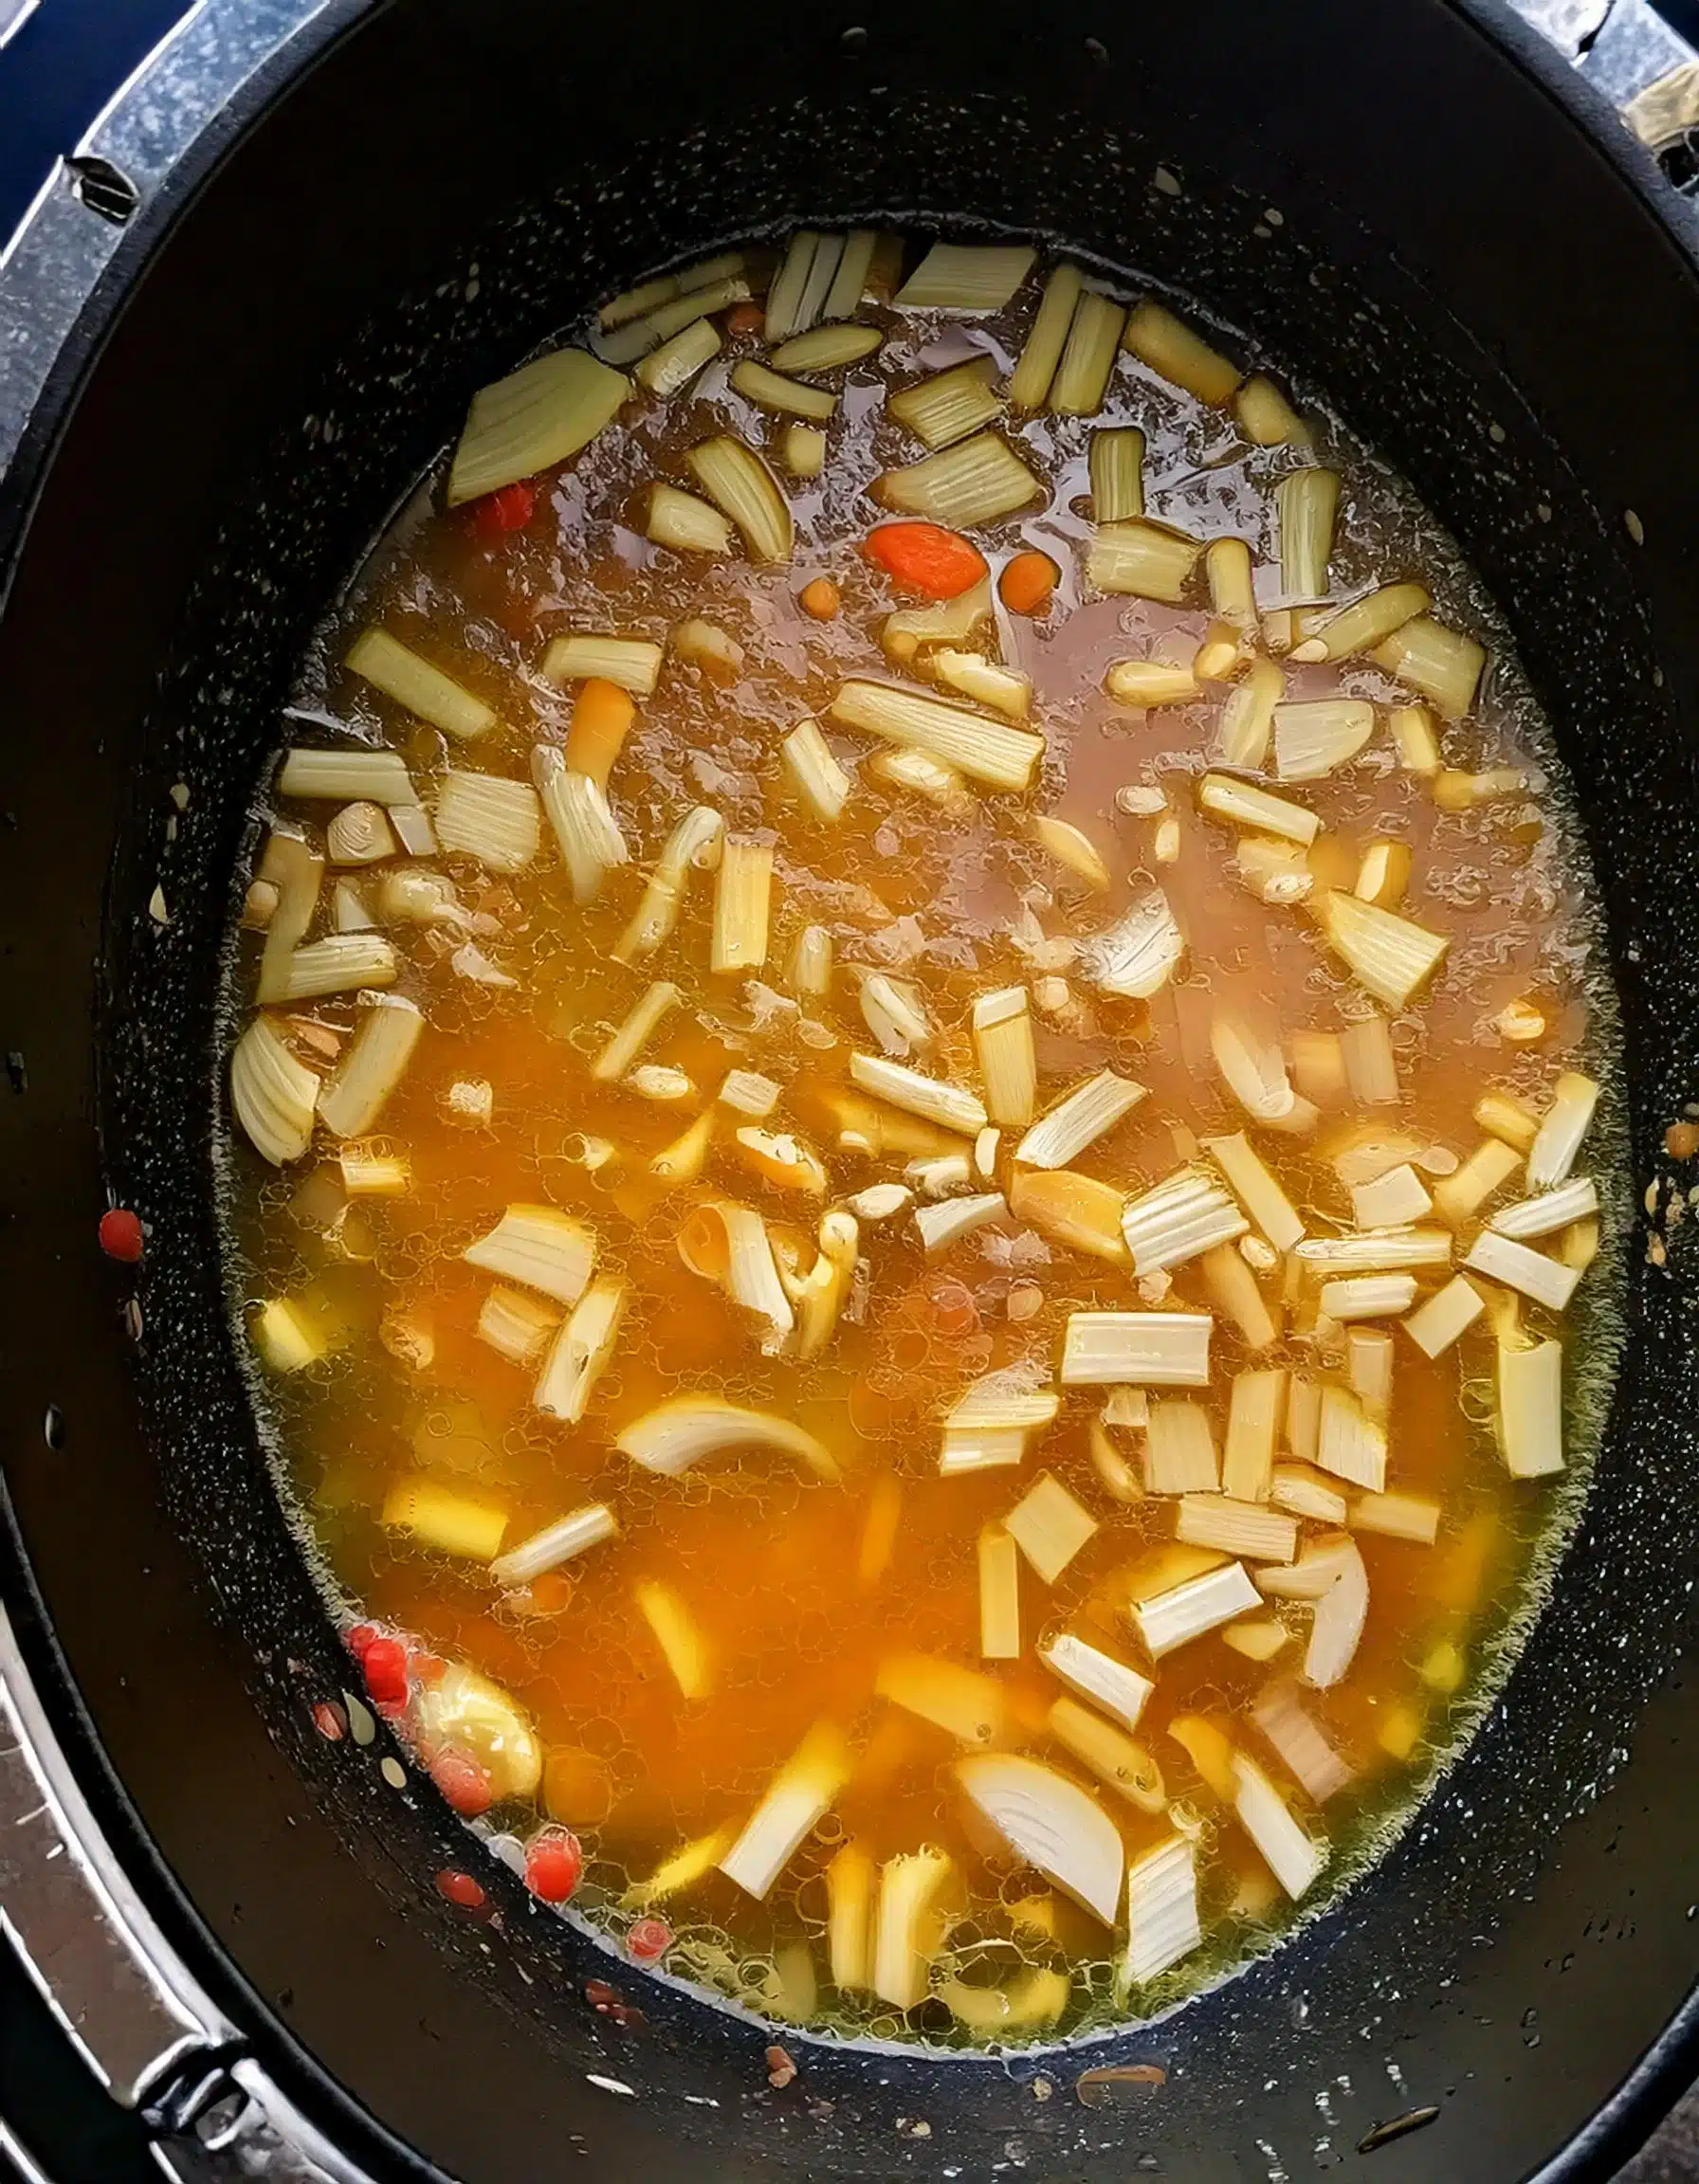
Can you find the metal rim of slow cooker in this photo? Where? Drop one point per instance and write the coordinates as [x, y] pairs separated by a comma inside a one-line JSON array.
[[235, 2070]]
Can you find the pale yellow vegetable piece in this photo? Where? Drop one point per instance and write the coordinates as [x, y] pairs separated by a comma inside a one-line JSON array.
[[1051, 1824], [450, 1523], [960, 1702], [1050, 1527], [676, 1633], [909, 1926], [799, 1798]]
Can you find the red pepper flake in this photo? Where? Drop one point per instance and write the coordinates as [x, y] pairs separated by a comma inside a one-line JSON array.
[[781, 2071], [648, 1939], [554, 1864], [384, 1663], [462, 1781], [510, 508], [460, 1889], [120, 1235], [329, 1722], [602, 1997]]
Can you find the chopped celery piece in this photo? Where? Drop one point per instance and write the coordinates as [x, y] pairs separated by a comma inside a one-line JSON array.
[[1445, 1315], [1089, 1112], [341, 963], [379, 774], [1561, 1129], [516, 1326], [1002, 1027], [960, 1702], [826, 348], [368, 1072], [1110, 1684], [1294, 1857], [1297, 1737], [1412, 1517], [1150, 1349], [675, 363], [1082, 377], [1036, 365], [1488, 1168], [695, 844], [1265, 417], [555, 1545], [799, 1797], [540, 1248], [1074, 1210], [1351, 1445], [1394, 1198], [582, 1350], [1259, 1534], [784, 297], [785, 397], [1336, 1627], [1544, 1215], [1141, 559], [1376, 1251], [1442, 664], [999, 1595], [675, 1633], [585, 829], [1364, 624], [802, 450], [1303, 1492], [1241, 805], [1162, 1909], [857, 272], [1051, 1825], [993, 752], [743, 907], [975, 481], [389, 666], [1109, 1753], [1247, 718], [1254, 1417], [950, 405], [966, 277], [497, 822], [819, 783], [951, 1107], [535, 418], [1179, 1220], [1180, 1449], [288, 1336], [1166, 1621], [1368, 1296], [1234, 1291], [942, 1225], [1306, 504], [851, 1882], [1157, 337], [633, 662], [1548, 1282], [1530, 1409], [451, 1523], [908, 1928], [1049, 1526], [1256, 1190], [1117, 471]]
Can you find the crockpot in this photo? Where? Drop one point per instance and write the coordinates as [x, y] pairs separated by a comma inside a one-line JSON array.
[[237, 326]]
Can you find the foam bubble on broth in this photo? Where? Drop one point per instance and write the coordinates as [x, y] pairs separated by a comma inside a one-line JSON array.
[[766, 1558]]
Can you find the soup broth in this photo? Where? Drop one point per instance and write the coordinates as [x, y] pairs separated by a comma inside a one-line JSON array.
[[914, 1283]]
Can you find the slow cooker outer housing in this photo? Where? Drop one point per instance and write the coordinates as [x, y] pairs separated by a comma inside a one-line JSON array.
[[1527, 1944]]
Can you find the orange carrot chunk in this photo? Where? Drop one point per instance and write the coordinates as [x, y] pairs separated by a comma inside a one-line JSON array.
[[927, 558], [820, 599], [1027, 582], [745, 319], [602, 718]]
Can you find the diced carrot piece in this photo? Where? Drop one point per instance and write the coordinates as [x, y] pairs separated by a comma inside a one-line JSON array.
[[745, 319], [820, 599], [1027, 582], [927, 558], [602, 718]]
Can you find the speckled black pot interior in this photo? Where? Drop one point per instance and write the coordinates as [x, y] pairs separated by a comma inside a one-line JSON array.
[[1455, 254]]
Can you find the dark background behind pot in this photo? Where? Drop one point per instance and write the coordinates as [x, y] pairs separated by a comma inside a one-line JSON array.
[[1525, 1945]]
